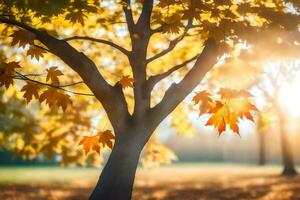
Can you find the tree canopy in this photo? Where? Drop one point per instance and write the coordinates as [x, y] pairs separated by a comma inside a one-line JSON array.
[[140, 60]]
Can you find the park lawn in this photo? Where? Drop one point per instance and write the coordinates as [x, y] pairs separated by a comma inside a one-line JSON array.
[[180, 181]]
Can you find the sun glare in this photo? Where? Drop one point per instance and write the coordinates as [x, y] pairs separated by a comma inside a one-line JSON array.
[[289, 96]]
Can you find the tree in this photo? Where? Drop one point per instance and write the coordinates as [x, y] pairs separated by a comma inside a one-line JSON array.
[[206, 30], [263, 123], [267, 69], [283, 73]]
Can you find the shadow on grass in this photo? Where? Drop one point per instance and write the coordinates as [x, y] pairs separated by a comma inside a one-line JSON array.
[[244, 187], [192, 187]]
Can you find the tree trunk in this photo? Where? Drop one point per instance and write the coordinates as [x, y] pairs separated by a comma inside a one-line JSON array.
[[287, 155], [117, 177], [262, 149]]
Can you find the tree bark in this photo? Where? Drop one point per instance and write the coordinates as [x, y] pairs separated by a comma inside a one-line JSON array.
[[117, 177], [262, 149], [286, 151]]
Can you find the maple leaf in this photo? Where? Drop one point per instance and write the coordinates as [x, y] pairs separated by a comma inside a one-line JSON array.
[[243, 107], [49, 96], [126, 81], [52, 74], [234, 105], [206, 101], [36, 53], [63, 100], [22, 37], [90, 142], [76, 17], [7, 70], [106, 138], [218, 118], [31, 90], [54, 98]]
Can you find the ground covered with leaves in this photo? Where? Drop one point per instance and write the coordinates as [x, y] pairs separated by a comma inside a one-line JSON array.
[[176, 182]]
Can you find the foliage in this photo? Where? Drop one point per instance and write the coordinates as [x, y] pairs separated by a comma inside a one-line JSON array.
[[105, 38]]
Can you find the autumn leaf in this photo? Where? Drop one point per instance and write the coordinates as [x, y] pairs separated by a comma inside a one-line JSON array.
[[36, 53], [63, 100], [126, 81], [49, 96], [218, 118], [22, 37], [232, 106], [7, 70], [75, 17], [54, 98], [52, 74], [106, 138], [30, 90], [243, 107], [90, 142], [203, 98]]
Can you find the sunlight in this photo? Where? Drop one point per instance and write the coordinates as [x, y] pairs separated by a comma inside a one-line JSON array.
[[289, 97]]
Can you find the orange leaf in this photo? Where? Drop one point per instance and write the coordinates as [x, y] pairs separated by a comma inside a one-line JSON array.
[[55, 98], [206, 101], [31, 90], [126, 81], [106, 138], [219, 117], [90, 142], [53, 74], [234, 105]]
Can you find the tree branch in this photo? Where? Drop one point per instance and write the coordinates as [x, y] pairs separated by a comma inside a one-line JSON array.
[[172, 44], [153, 80], [112, 98], [177, 92], [59, 87], [128, 15], [145, 17], [121, 49], [40, 47]]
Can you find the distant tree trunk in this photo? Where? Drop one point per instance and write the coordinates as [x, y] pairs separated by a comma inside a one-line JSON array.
[[262, 149], [286, 149], [117, 177]]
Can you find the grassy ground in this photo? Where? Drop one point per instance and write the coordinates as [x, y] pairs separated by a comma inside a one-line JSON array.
[[176, 182]]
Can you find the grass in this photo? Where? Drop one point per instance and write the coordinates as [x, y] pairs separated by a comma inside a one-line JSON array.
[[22, 175], [182, 181]]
